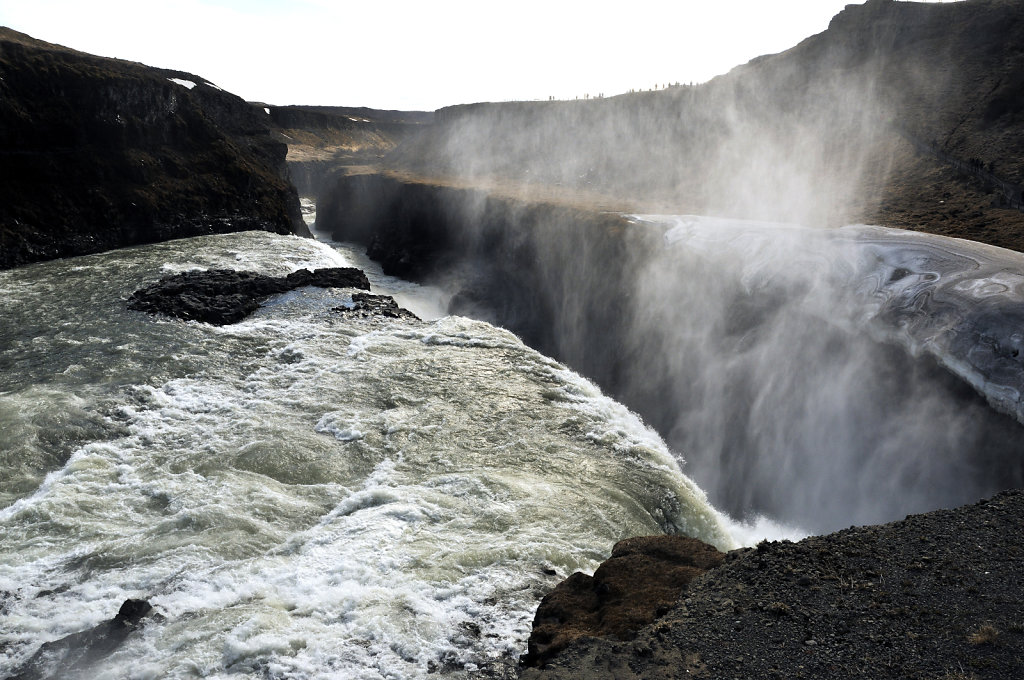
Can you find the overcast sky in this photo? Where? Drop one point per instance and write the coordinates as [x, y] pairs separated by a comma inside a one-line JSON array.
[[409, 54]]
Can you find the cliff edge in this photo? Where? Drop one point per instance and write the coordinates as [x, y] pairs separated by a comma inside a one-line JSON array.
[[101, 153], [322, 139]]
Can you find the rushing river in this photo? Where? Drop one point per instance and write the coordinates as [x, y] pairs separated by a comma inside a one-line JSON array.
[[300, 495], [309, 495]]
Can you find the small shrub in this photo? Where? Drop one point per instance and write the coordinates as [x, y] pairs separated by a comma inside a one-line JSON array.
[[985, 635]]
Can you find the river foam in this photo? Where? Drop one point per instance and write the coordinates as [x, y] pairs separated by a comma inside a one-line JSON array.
[[300, 495]]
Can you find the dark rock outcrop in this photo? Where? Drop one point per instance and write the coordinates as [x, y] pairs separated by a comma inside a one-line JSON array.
[[365, 305], [936, 595], [225, 296], [641, 580], [100, 153], [72, 655]]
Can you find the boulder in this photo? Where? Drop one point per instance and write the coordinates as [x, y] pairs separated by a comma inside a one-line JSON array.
[[73, 654], [365, 305], [641, 580]]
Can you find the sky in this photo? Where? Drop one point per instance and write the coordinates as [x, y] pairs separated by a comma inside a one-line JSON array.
[[426, 54]]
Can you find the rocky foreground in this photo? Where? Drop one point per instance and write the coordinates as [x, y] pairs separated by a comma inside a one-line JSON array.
[[936, 595]]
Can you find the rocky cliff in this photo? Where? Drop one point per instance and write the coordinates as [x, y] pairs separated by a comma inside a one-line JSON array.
[[322, 138], [886, 118], [100, 153]]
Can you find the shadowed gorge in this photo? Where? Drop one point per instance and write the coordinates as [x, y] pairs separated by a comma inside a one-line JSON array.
[[799, 371], [321, 138]]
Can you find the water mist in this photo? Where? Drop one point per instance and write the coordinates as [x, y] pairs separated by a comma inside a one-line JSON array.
[[824, 375], [799, 371]]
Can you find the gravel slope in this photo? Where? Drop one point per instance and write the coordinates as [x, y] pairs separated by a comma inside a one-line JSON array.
[[937, 595]]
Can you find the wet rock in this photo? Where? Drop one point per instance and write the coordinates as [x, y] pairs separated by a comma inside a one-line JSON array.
[[73, 654], [639, 582], [225, 296], [366, 305]]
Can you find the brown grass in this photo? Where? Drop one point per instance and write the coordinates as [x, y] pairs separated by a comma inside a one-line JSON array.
[[985, 635]]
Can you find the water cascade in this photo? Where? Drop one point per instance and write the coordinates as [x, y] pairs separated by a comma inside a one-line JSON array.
[[301, 494], [831, 377]]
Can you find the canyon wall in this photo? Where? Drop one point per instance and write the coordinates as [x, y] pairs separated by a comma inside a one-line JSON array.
[[101, 153], [826, 133], [524, 263], [754, 361], [322, 138]]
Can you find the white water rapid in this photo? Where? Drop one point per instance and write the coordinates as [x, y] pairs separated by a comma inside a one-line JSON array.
[[299, 495]]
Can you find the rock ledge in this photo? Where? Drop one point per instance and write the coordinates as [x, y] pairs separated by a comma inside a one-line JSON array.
[[225, 296]]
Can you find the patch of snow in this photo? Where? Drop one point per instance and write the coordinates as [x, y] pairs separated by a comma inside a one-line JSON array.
[[267, 110], [209, 84], [184, 83]]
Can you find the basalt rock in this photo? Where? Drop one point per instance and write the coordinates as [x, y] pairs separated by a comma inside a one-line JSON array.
[[100, 153], [225, 296], [72, 655], [641, 580], [365, 305]]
